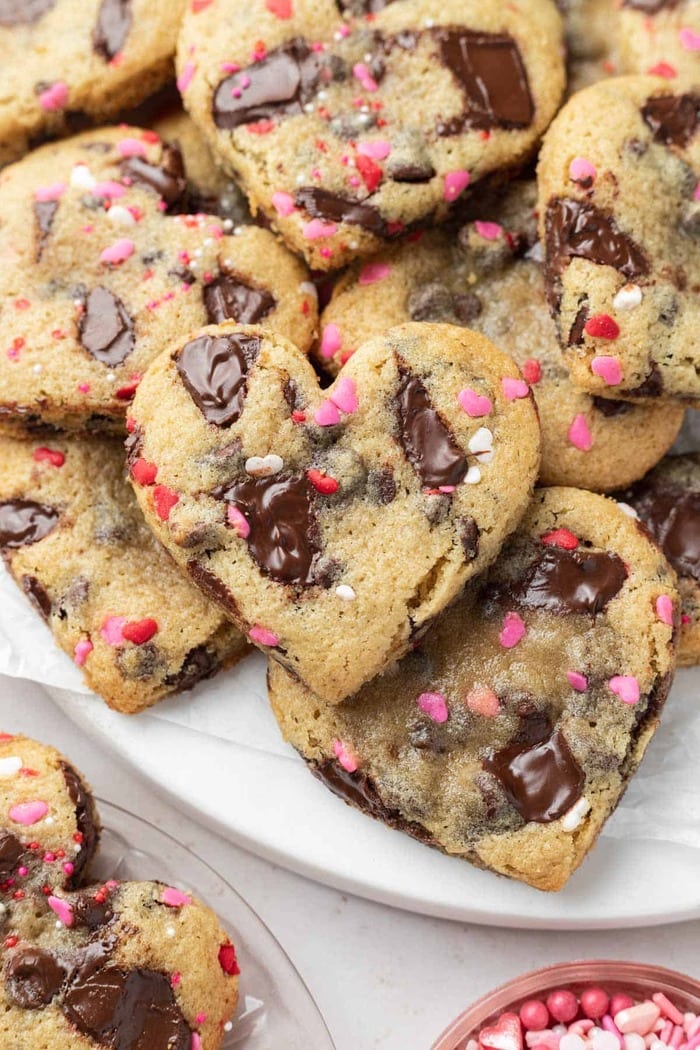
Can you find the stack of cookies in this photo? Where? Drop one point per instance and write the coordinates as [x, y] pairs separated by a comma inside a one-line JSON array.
[[285, 373]]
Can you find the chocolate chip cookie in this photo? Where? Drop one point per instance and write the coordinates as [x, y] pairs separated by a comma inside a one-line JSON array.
[[661, 38]]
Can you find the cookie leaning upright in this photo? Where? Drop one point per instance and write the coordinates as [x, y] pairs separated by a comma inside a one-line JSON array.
[[344, 130], [619, 215], [333, 525], [509, 734], [101, 267]]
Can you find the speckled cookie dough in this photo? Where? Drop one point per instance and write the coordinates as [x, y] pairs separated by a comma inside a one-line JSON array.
[[332, 525], [487, 276], [76, 543], [590, 33], [509, 734], [668, 502], [102, 266], [660, 38], [620, 216], [66, 63], [347, 125]]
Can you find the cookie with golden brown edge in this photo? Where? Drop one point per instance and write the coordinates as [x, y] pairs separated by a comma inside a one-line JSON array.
[[660, 38], [346, 125], [619, 215], [101, 266], [488, 277], [332, 525], [509, 734], [74, 540]]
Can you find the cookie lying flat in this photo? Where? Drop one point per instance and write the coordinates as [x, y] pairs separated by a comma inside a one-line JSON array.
[[97, 276], [668, 502], [486, 277], [74, 540], [346, 131], [509, 735], [68, 61], [331, 525], [133, 965], [661, 38], [617, 180], [49, 829]]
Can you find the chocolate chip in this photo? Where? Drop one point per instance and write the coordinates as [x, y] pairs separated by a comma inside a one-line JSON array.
[[91, 911], [672, 119], [44, 212], [469, 535], [166, 179], [577, 330], [74, 597], [358, 8], [106, 330], [214, 370], [23, 12], [140, 662], [409, 160], [672, 515], [86, 819], [322, 204], [199, 663], [230, 298], [112, 29], [381, 486], [22, 521], [610, 408], [214, 588], [430, 302], [466, 306], [353, 124], [563, 582], [37, 595], [11, 852], [33, 977], [428, 443]]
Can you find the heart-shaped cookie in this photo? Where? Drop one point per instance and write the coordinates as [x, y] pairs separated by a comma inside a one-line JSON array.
[[101, 267], [332, 525], [345, 131], [509, 734]]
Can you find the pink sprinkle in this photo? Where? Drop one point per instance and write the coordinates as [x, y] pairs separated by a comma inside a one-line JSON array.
[[490, 231], [174, 898], [689, 38], [514, 388], [345, 756], [608, 368], [196, 1042], [327, 415], [130, 147], [373, 272], [434, 705], [664, 609], [456, 182], [186, 77], [261, 636], [84, 388], [362, 73], [22, 871], [111, 629], [626, 687], [378, 149], [316, 229], [512, 632], [50, 193], [108, 189], [62, 909], [55, 97], [667, 1008], [28, 813], [118, 252], [175, 979], [577, 681], [68, 868], [474, 404], [696, 193], [238, 522], [581, 170], [82, 651], [580, 434], [283, 203], [331, 340], [483, 701], [344, 396]]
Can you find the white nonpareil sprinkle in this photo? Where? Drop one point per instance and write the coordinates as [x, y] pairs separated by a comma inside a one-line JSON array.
[[110, 378], [473, 476], [10, 765], [264, 466], [345, 592], [307, 288], [81, 178], [481, 444], [228, 1027], [572, 820], [38, 369], [628, 297], [629, 511], [120, 216], [49, 820], [169, 931]]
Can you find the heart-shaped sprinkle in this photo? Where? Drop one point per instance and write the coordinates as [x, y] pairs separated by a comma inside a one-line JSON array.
[[331, 340], [372, 273], [238, 521], [664, 609], [481, 445], [175, 898], [689, 38], [608, 368], [475, 404], [577, 681], [434, 705], [62, 910], [264, 466], [139, 631], [456, 183], [514, 388], [483, 701], [118, 252], [579, 433], [345, 757], [490, 231], [327, 414], [261, 636], [82, 650], [111, 629], [54, 97], [506, 1034], [28, 813], [283, 203], [344, 395], [583, 172], [513, 630], [626, 687]]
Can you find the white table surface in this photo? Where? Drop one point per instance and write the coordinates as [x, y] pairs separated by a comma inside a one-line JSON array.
[[383, 979]]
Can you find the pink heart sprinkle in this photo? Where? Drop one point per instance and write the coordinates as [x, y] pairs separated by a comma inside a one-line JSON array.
[[82, 651], [577, 681], [475, 404], [378, 149], [512, 631], [331, 340], [626, 687], [344, 396], [514, 388], [118, 252], [689, 38], [456, 182], [327, 415], [261, 636], [434, 705], [186, 77], [130, 147], [581, 170], [483, 701], [580, 434], [345, 756], [55, 97], [111, 629], [108, 189], [362, 73], [283, 203], [238, 522], [664, 609], [50, 193], [174, 898], [315, 230], [62, 909], [373, 272], [490, 231], [608, 368], [29, 813], [196, 1042]]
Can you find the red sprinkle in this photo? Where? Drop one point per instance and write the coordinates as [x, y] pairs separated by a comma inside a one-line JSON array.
[[228, 961], [602, 326], [532, 371], [49, 455], [164, 499], [125, 393], [143, 472], [560, 538], [370, 172], [11, 942], [130, 425], [298, 417], [139, 631], [262, 127], [663, 69], [323, 483]]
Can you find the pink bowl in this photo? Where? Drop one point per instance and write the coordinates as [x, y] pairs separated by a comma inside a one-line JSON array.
[[638, 979]]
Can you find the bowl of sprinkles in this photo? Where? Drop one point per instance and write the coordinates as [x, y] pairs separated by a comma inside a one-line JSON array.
[[597, 1005]]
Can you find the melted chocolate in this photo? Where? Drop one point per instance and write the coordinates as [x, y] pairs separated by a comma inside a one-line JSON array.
[[214, 370], [542, 779], [358, 789], [112, 29], [609, 407], [428, 443], [11, 852], [357, 8], [672, 515], [37, 595], [166, 179], [228, 298], [44, 212], [214, 588], [577, 328], [33, 977], [85, 819], [565, 582], [199, 663], [106, 331], [91, 912], [577, 230], [489, 70], [673, 119], [23, 521], [22, 12], [322, 204], [283, 532]]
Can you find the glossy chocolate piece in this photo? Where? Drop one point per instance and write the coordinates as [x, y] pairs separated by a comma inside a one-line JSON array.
[[428, 443], [200, 663], [11, 852], [672, 515], [229, 298], [673, 119], [214, 369], [167, 179], [86, 819], [214, 588], [331, 207], [33, 977], [23, 521], [37, 595], [565, 582], [113, 25], [105, 328]]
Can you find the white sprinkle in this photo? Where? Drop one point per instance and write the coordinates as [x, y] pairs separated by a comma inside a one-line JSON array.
[[629, 511], [228, 224], [368, 56], [307, 288], [10, 765], [300, 180], [49, 820], [3, 909], [322, 95], [569, 822], [169, 931], [345, 592], [353, 245], [208, 241], [197, 253], [58, 924], [628, 297], [82, 178], [429, 23], [481, 444], [264, 466], [473, 476], [38, 369], [77, 848], [110, 377], [572, 1042], [309, 107], [536, 253], [228, 1026]]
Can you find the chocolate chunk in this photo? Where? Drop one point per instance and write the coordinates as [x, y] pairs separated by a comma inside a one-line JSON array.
[[564, 582], [106, 331], [469, 535], [229, 298], [609, 407], [358, 8], [214, 369], [321, 204], [112, 29], [214, 588], [673, 119], [672, 515], [166, 179], [283, 537], [577, 230], [430, 302], [199, 663], [381, 486], [91, 911], [37, 595], [490, 72], [542, 779], [11, 852], [22, 12], [44, 212], [86, 820], [428, 443], [409, 160], [33, 977], [576, 332], [466, 306], [126, 1010], [23, 521], [651, 387]]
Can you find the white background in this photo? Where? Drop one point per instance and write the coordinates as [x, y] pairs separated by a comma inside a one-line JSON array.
[[383, 979]]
